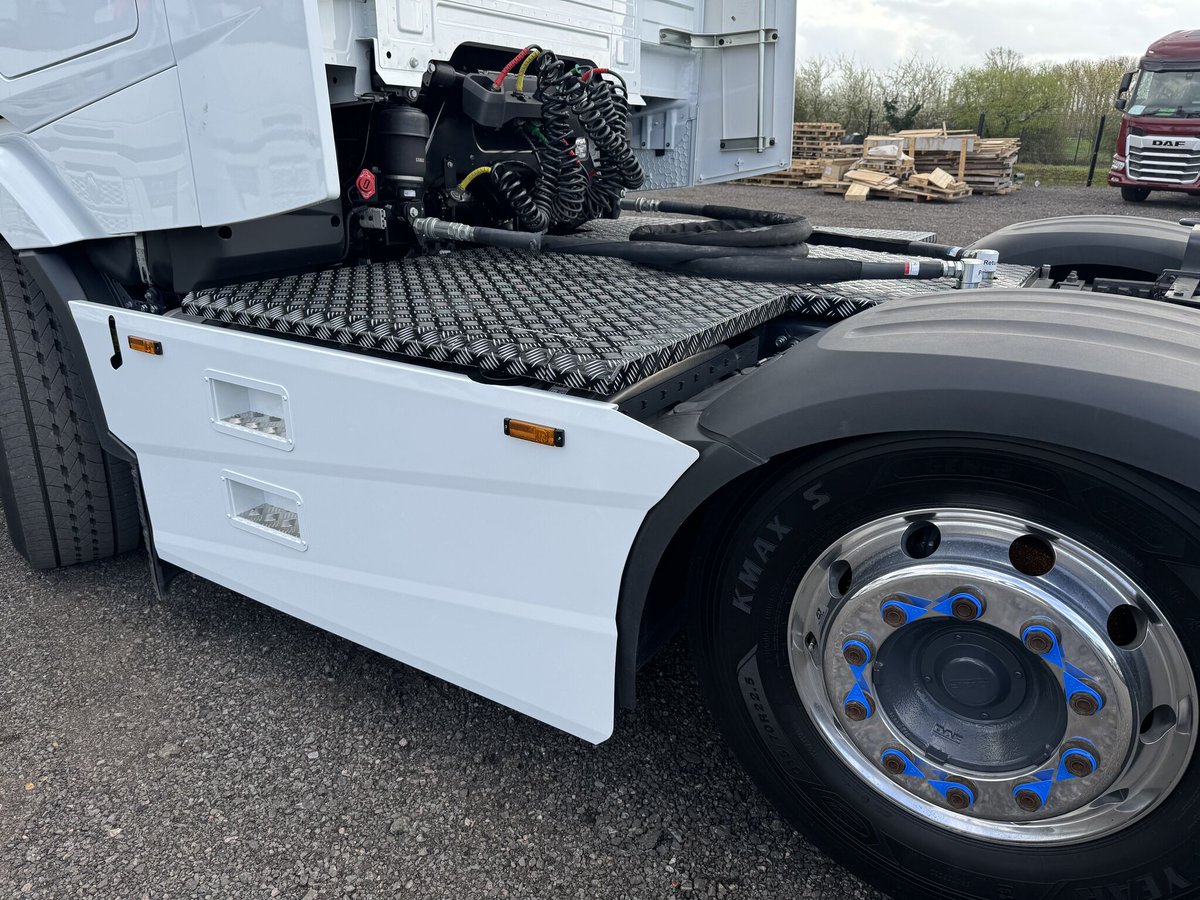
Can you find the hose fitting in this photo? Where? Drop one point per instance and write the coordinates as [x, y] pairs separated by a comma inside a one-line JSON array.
[[990, 259], [441, 230]]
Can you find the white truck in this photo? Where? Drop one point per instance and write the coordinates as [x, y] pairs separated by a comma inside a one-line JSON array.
[[342, 304]]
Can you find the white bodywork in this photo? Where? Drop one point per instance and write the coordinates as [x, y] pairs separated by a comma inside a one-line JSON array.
[[424, 532], [124, 116]]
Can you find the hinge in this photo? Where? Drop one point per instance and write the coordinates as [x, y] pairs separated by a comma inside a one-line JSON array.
[[674, 37]]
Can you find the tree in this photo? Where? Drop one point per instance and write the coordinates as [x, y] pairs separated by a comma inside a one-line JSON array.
[[1053, 107], [1020, 100], [900, 121]]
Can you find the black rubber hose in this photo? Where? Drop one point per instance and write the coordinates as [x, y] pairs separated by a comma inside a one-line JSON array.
[[732, 226], [902, 246], [808, 271], [742, 264], [727, 226]]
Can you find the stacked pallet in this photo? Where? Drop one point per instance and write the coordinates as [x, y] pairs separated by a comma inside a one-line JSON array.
[[922, 164], [986, 164], [815, 145], [821, 140], [799, 175]]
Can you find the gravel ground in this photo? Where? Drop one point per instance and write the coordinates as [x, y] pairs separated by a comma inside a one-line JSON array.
[[211, 747], [960, 222]]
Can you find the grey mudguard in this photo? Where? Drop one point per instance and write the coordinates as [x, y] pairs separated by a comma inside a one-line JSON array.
[[1106, 375], [1127, 242], [1111, 376]]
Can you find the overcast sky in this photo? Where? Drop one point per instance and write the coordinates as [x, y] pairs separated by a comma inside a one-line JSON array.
[[958, 32]]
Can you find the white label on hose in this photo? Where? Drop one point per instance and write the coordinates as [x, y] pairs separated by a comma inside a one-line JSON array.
[[912, 269]]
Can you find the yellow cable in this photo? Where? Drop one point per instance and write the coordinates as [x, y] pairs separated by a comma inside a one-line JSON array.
[[533, 54], [466, 182]]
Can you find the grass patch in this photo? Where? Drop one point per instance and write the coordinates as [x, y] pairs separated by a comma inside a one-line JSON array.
[[1063, 176]]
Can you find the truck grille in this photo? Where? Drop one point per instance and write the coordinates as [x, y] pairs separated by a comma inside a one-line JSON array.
[[1165, 160]]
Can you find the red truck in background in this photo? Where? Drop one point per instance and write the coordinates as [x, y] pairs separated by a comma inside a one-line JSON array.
[[1158, 144]]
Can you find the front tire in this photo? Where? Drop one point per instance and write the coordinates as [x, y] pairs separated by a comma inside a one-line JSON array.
[[944, 805], [66, 500], [1134, 194]]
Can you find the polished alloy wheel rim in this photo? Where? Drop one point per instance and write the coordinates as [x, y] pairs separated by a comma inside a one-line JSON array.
[[992, 676]]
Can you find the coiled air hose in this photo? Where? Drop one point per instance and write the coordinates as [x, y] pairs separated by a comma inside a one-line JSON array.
[[567, 190]]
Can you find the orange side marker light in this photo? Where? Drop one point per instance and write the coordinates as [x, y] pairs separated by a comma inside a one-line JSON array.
[[145, 345], [537, 434]]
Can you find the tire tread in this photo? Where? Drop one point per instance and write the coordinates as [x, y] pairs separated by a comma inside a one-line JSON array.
[[70, 502]]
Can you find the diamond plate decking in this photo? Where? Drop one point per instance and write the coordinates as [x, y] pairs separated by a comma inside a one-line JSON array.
[[588, 323]]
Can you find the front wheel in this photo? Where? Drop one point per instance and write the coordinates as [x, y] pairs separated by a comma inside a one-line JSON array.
[[65, 499], [963, 666], [1134, 194]]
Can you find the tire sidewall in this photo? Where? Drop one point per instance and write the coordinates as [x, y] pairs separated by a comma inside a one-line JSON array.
[[766, 541]]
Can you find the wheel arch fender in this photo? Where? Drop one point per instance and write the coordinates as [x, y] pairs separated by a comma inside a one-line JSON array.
[[1124, 242], [1106, 376]]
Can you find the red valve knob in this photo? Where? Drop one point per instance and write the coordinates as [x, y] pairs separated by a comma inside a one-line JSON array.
[[366, 184]]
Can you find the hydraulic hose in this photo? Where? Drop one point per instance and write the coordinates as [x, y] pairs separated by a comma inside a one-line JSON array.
[[786, 265], [903, 246], [727, 226], [745, 264], [736, 227]]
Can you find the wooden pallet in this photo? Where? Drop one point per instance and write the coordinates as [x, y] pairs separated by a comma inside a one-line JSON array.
[[801, 171], [824, 150], [818, 128], [860, 184]]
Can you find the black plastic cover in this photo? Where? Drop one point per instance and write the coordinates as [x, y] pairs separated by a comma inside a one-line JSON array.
[[1126, 242], [1112, 376], [492, 108]]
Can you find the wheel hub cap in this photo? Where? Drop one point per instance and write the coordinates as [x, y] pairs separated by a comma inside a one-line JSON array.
[[970, 695], [992, 676]]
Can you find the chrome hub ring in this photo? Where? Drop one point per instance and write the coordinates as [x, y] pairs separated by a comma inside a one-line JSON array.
[[992, 676]]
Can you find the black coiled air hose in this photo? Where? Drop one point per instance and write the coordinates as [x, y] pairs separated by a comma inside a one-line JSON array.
[[512, 180], [562, 177], [611, 120], [567, 189]]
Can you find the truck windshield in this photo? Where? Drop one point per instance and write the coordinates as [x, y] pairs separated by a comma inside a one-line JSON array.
[[1166, 94]]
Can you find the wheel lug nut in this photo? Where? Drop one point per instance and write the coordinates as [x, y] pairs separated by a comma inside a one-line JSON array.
[[1028, 800], [893, 763], [856, 651], [1087, 702], [967, 607], [1038, 638], [1078, 762], [893, 612], [959, 798], [856, 710]]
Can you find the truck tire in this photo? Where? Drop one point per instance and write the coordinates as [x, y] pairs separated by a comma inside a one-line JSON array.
[[934, 656], [1134, 194], [65, 499]]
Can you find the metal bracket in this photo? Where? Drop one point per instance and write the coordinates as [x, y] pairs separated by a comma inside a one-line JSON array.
[[139, 252], [1183, 284], [674, 37], [760, 38]]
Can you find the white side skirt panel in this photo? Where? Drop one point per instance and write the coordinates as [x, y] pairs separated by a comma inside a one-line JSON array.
[[420, 530]]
